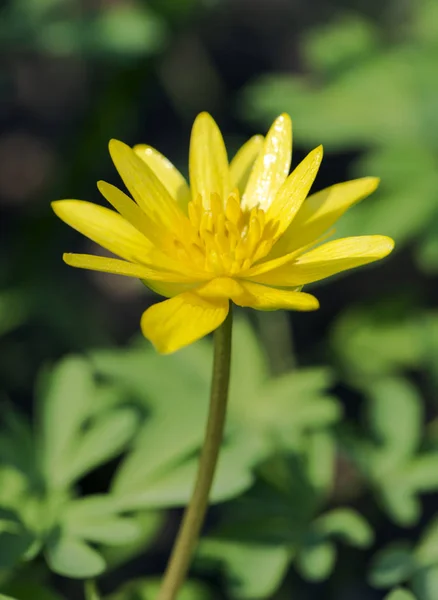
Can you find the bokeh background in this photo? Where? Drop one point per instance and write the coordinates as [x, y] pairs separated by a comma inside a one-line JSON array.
[[359, 77]]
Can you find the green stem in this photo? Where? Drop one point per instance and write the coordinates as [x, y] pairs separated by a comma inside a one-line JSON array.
[[193, 519]]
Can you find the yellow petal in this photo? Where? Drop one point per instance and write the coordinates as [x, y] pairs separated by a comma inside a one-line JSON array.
[[129, 210], [167, 173], [271, 167], [105, 227], [208, 162], [294, 191], [324, 261], [118, 267], [175, 323], [320, 211], [145, 187], [243, 162], [253, 295], [262, 297]]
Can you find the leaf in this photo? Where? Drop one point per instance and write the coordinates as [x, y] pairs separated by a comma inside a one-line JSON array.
[[147, 589], [320, 460], [15, 539], [149, 523], [316, 561], [341, 44], [178, 405], [97, 519], [425, 583], [90, 590], [399, 437], [249, 368], [421, 474], [63, 405], [392, 565], [128, 30], [174, 487], [346, 524], [107, 437], [426, 552], [401, 502], [74, 558], [400, 594], [252, 571]]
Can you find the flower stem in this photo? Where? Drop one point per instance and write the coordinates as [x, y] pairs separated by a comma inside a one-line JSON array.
[[193, 519]]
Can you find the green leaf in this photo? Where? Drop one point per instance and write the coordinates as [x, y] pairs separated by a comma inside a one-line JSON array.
[[90, 590], [147, 589], [426, 552], [252, 571], [392, 565], [400, 502], [421, 474], [16, 541], [74, 558], [128, 30], [107, 437], [320, 460], [149, 523], [400, 594], [316, 561], [64, 405], [425, 583], [346, 524], [96, 519], [3, 597], [399, 437], [174, 487], [178, 405], [341, 44]]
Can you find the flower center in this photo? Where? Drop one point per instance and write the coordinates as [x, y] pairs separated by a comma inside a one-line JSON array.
[[225, 239]]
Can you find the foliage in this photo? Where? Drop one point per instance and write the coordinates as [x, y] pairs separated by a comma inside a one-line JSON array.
[[328, 476]]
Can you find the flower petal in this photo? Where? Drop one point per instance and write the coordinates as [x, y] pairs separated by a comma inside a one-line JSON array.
[[243, 162], [271, 167], [105, 227], [208, 162], [262, 297], [320, 211], [145, 187], [175, 323], [254, 295], [167, 173], [118, 267], [129, 210], [324, 261], [294, 191]]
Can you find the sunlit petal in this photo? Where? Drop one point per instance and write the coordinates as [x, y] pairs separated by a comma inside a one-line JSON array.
[[324, 261], [293, 192], [146, 188], [242, 164], [271, 167], [166, 172]]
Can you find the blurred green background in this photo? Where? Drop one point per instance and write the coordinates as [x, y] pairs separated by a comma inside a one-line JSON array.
[[328, 485]]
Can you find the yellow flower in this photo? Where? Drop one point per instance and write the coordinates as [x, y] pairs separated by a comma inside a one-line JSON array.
[[243, 231]]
